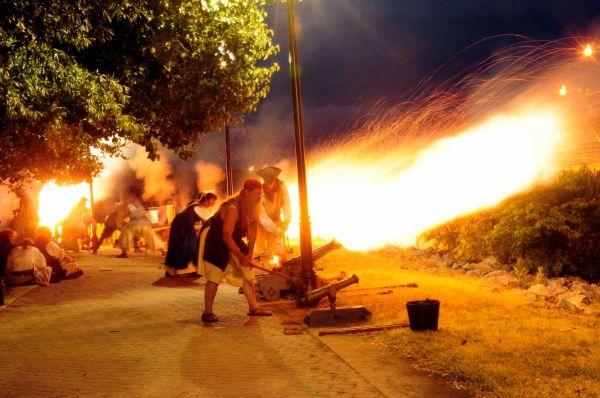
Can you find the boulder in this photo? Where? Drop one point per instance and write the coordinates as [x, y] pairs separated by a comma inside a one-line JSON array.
[[505, 280], [556, 290], [574, 302], [596, 292], [569, 306], [467, 267], [570, 280], [539, 290], [474, 272], [436, 258], [424, 252], [483, 267], [496, 274], [493, 262], [557, 281], [448, 259], [581, 286]]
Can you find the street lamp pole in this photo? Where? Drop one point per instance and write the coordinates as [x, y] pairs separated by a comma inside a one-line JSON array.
[[308, 272]]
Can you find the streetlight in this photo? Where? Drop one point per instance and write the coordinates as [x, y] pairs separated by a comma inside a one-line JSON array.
[[309, 277]]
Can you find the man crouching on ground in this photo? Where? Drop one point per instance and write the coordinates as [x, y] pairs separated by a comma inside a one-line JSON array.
[[63, 266], [223, 254]]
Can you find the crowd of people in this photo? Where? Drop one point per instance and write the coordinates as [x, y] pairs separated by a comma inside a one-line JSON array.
[[220, 247]]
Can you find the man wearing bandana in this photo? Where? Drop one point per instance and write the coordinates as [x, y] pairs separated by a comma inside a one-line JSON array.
[[276, 213]]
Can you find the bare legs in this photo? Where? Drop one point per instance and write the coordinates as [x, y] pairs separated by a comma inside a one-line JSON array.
[[250, 294], [210, 292]]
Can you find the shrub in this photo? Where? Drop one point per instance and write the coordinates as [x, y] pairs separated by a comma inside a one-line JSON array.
[[555, 226]]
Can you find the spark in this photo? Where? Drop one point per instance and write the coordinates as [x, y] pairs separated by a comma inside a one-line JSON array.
[[365, 202], [448, 150], [563, 90], [588, 51]]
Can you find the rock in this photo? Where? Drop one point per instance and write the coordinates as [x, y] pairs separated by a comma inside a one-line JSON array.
[[391, 249], [574, 302], [474, 272], [538, 290], [495, 274], [557, 281], [556, 290], [448, 259], [436, 257], [569, 306], [424, 252], [456, 266], [493, 262], [467, 266], [581, 286], [595, 293], [575, 298], [570, 280], [483, 267], [505, 280]]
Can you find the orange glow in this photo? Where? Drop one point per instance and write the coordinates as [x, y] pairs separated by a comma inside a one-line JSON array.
[[563, 90], [275, 261], [588, 51], [385, 198], [56, 201]]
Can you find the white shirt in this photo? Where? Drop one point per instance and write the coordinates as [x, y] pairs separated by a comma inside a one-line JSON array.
[[25, 258]]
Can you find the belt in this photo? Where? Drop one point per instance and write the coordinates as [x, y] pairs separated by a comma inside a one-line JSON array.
[[27, 272]]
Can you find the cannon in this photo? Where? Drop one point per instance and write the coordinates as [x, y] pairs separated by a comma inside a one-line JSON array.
[[312, 298], [334, 316], [285, 280]]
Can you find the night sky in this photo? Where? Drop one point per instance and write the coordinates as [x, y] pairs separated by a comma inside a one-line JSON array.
[[354, 53]]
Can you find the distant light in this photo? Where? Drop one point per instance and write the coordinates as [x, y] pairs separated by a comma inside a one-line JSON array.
[[251, 168], [563, 90], [588, 51]]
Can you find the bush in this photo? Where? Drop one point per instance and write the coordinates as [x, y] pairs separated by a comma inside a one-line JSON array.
[[554, 226]]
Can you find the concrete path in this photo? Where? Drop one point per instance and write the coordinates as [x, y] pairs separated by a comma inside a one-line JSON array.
[[124, 330]]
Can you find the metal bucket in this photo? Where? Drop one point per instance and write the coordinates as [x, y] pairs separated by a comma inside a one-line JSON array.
[[423, 314]]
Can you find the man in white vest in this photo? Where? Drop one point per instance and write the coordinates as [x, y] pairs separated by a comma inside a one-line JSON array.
[[276, 213]]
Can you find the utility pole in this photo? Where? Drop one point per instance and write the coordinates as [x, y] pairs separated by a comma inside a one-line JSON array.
[[94, 224], [308, 272]]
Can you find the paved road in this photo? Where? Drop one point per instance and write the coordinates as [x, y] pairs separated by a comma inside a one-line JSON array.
[[124, 330]]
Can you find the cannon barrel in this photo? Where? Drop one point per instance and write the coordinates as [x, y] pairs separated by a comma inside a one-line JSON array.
[[313, 297], [316, 254]]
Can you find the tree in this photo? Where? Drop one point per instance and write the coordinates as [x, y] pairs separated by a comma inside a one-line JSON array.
[[80, 78]]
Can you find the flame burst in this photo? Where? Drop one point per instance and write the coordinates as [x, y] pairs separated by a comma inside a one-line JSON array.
[[56, 201], [451, 149], [367, 202]]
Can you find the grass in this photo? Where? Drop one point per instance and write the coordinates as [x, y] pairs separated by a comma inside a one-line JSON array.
[[493, 342]]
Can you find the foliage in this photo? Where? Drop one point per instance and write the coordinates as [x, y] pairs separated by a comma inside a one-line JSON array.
[[76, 74], [555, 226]]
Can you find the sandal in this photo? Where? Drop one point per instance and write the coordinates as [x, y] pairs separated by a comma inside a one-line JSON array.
[[209, 317], [259, 312]]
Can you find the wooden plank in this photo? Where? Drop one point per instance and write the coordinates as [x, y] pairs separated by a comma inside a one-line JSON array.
[[363, 329]]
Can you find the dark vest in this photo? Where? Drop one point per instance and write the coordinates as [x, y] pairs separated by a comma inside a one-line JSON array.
[[216, 251]]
